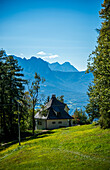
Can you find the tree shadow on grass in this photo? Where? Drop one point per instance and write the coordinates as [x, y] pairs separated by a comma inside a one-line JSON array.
[[27, 137], [40, 135]]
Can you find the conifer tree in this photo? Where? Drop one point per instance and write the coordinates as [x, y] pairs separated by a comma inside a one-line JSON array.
[[3, 82], [99, 65], [11, 91], [92, 108], [15, 90]]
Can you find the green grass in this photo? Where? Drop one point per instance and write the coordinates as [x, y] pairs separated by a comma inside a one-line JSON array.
[[79, 147]]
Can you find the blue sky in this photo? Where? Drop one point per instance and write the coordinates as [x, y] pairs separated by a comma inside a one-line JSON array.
[[55, 30]]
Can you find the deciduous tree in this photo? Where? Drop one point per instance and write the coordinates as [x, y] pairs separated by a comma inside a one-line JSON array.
[[33, 92]]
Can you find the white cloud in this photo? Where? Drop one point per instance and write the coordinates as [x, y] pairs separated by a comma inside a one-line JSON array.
[[43, 57], [50, 56], [46, 56], [53, 56], [41, 53], [22, 55]]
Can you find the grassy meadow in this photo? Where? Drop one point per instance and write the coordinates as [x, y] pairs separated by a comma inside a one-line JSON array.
[[78, 147]]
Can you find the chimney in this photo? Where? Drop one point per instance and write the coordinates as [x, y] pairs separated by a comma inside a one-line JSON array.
[[53, 95]]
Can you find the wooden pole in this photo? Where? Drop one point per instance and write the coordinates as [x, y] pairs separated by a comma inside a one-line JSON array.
[[18, 126]]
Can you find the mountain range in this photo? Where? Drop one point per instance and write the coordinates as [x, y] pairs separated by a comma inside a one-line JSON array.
[[61, 79], [65, 67]]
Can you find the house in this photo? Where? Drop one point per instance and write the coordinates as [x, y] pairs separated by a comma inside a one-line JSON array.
[[54, 115]]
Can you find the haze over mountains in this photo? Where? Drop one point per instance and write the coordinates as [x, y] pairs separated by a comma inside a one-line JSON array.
[[61, 79], [65, 67]]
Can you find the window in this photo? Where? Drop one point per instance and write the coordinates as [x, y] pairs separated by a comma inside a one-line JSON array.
[[60, 122], [53, 122], [39, 123]]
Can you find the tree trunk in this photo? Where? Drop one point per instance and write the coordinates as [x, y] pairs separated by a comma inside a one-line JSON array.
[[33, 118]]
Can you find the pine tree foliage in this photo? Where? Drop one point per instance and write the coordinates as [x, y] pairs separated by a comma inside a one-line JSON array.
[[92, 108], [99, 65], [11, 92], [3, 82]]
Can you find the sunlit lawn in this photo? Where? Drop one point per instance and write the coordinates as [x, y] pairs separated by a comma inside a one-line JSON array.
[[79, 147]]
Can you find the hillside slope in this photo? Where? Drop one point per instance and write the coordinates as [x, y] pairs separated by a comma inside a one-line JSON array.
[[78, 147]]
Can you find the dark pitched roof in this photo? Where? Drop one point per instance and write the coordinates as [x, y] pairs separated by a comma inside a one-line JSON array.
[[54, 110]]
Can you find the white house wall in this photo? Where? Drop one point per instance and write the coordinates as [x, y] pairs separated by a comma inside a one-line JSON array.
[[52, 124], [40, 124]]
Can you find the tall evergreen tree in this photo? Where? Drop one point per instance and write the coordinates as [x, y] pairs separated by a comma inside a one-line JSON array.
[[99, 65], [92, 108], [11, 91], [3, 82], [15, 90]]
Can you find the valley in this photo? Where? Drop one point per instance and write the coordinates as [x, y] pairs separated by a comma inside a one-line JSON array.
[[73, 85]]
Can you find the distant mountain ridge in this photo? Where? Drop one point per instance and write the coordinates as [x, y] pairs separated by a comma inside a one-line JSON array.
[[65, 67], [73, 85]]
